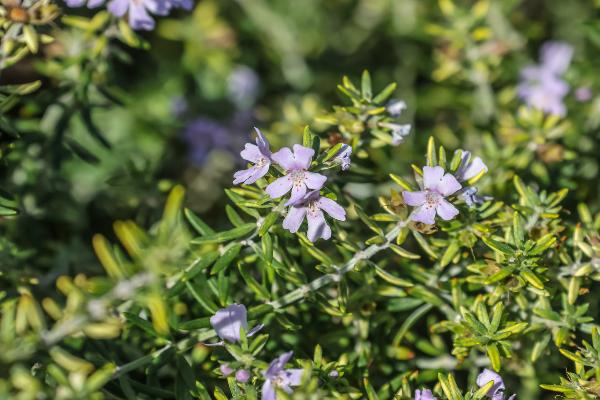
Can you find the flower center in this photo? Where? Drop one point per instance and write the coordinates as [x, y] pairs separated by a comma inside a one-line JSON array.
[[431, 199], [261, 161], [297, 177], [312, 207]]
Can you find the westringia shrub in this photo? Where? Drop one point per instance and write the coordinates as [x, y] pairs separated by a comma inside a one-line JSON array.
[[358, 253]]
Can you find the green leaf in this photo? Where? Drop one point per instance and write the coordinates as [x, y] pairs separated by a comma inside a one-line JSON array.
[[385, 93], [497, 246], [199, 226], [225, 236], [394, 280], [366, 89], [494, 356], [226, 258]]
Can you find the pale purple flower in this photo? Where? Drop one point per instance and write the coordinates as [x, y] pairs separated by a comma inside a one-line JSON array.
[[297, 179], [399, 131], [334, 374], [424, 394], [469, 166], [225, 369], [431, 200], [395, 107], [202, 135], [80, 3], [312, 206], [242, 86], [242, 376], [343, 156], [496, 392], [278, 377], [258, 154], [471, 198], [139, 11], [228, 322], [583, 94], [556, 56], [541, 86], [184, 4]]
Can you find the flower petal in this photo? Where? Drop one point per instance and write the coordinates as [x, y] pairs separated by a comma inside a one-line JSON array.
[[432, 177], [291, 377], [332, 208], [118, 8], [424, 214], [268, 391], [303, 156], [263, 143], [414, 198], [279, 187], [284, 158], [317, 227], [448, 185], [227, 322], [298, 193], [257, 173], [446, 210], [488, 375], [139, 19], [277, 365], [242, 176], [294, 218], [314, 180], [424, 394], [251, 153]]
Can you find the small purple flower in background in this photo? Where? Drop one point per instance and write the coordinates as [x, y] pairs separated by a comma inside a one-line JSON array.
[[556, 57], [258, 154], [424, 394], [431, 200], [225, 369], [277, 376], [343, 156], [80, 3], [297, 178], [179, 106], [204, 134], [242, 86], [496, 392], [541, 85], [183, 4], [312, 206], [399, 131], [583, 94], [471, 198], [138, 11], [395, 107], [242, 376], [227, 322], [469, 166]]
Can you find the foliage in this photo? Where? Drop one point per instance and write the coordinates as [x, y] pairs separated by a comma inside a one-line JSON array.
[[107, 293]]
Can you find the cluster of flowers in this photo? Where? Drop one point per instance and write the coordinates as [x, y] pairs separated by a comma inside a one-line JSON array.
[[138, 10], [436, 186], [298, 180], [496, 392], [541, 85], [228, 323]]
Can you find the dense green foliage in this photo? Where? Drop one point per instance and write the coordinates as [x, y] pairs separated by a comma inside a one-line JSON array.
[[121, 234]]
